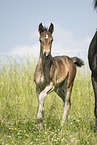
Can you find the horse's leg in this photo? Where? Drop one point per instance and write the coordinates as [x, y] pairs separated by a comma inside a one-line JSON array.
[[66, 106], [64, 92], [60, 93], [42, 97], [65, 95], [95, 92], [61, 90]]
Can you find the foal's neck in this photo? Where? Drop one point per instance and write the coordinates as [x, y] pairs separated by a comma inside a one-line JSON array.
[[46, 61]]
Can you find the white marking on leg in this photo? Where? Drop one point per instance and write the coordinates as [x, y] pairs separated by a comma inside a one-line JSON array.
[[65, 113], [66, 107], [42, 97]]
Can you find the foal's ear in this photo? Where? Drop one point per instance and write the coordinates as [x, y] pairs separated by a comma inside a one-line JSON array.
[[40, 28], [51, 28]]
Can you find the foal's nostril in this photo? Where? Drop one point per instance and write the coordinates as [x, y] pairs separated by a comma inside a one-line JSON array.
[[46, 54]]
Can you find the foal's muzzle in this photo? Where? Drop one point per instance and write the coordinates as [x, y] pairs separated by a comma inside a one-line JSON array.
[[46, 54]]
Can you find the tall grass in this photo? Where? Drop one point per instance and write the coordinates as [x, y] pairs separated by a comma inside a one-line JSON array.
[[19, 103]]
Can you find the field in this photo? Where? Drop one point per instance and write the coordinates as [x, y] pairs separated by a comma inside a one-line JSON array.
[[19, 103]]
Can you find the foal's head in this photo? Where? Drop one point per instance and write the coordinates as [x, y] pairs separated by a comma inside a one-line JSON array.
[[46, 39]]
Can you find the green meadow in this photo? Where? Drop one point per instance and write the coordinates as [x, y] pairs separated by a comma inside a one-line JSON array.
[[19, 104]]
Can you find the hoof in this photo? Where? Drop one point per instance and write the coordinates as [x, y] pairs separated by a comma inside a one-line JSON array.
[[40, 123], [40, 126], [64, 122], [39, 120]]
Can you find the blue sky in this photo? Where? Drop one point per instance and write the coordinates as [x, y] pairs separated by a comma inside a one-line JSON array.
[[75, 22]]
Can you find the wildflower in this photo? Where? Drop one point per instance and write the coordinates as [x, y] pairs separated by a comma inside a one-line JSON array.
[[49, 128], [74, 119], [52, 132], [26, 135], [55, 140], [9, 136], [63, 139], [72, 140], [15, 128]]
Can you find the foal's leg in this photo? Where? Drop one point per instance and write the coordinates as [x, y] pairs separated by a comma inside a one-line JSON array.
[[60, 92], [95, 92], [66, 106], [42, 97]]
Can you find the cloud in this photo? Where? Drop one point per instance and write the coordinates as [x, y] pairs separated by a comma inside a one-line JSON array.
[[25, 51], [67, 43]]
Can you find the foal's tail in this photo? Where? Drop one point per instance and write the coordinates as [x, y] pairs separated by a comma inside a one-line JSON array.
[[78, 62]]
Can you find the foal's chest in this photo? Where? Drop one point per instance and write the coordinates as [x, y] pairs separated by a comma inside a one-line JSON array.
[[42, 72], [38, 74]]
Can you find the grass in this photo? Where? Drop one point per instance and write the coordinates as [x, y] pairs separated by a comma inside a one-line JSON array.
[[19, 103]]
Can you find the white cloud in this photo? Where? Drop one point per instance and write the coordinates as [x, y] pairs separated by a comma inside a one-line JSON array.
[[66, 43], [25, 50]]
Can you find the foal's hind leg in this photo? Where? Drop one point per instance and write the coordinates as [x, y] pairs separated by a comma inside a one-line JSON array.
[[64, 92], [95, 92], [60, 92], [66, 106]]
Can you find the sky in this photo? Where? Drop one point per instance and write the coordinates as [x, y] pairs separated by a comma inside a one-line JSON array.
[[75, 22]]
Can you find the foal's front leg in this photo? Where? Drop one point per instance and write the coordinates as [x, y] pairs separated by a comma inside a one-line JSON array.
[[42, 97]]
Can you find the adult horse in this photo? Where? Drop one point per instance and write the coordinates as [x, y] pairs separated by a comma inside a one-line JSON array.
[[53, 73], [95, 3], [92, 58]]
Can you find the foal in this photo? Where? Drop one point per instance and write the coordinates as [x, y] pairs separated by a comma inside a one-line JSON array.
[[54, 73]]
